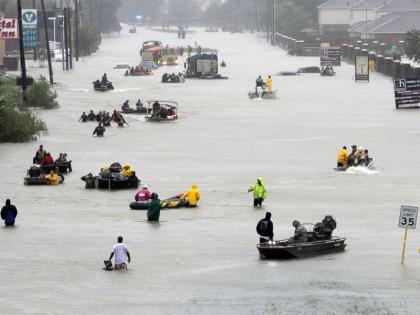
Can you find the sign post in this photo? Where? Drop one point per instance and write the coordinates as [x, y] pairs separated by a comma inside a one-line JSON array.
[[329, 55], [408, 220], [407, 93], [361, 68], [30, 27]]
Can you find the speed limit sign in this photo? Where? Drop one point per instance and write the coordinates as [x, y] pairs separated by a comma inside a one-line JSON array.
[[408, 217]]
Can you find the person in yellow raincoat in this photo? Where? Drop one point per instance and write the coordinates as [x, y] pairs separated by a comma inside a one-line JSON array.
[[269, 83], [259, 192], [192, 195], [53, 178], [126, 170], [342, 157]]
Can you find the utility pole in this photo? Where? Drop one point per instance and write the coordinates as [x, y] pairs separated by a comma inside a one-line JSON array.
[[22, 50], [35, 47], [47, 43], [273, 40], [258, 17], [252, 17], [69, 11], [76, 28], [66, 36], [268, 19]]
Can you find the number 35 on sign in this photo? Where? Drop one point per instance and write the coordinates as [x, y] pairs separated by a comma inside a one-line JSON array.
[[408, 217]]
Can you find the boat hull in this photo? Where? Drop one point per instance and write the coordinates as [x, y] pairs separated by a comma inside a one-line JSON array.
[[284, 249]]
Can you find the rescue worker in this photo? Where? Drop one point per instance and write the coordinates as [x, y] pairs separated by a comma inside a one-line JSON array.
[[8, 213], [104, 80], [192, 196], [53, 178], [342, 157], [91, 116], [259, 83], [133, 180], [139, 105], [260, 192], [329, 225], [269, 83], [89, 180], [126, 170], [153, 212], [351, 158], [99, 130], [301, 234], [34, 171], [125, 106], [143, 194], [48, 160], [39, 155], [84, 117], [265, 228]]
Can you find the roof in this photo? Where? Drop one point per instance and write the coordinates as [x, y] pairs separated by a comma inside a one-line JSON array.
[[371, 4], [339, 4], [393, 23], [401, 6]]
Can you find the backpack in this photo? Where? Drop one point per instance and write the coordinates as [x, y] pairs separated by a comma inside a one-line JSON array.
[[262, 227]]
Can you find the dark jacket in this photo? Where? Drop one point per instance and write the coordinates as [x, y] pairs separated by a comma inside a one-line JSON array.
[[154, 210], [8, 212], [99, 130], [265, 228]]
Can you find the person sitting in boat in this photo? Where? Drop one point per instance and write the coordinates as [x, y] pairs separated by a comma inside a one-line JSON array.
[[133, 179], [342, 157], [139, 105], [84, 117], [125, 106], [269, 83], [89, 180], [364, 158], [132, 71], [109, 85], [39, 155], [329, 225], [96, 84], [62, 158], [99, 130], [351, 159], [35, 171], [301, 234], [48, 160], [165, 77], [192, 196], [265, 228], [174, 77], [53, 178], [104, 79], [126, 170], [155, 110], [91, 116], [143, 194]]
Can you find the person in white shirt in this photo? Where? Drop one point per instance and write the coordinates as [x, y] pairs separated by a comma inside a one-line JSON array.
[[120, 250]]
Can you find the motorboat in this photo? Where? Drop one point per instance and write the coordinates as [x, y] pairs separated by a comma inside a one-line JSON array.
[[170, 203], [162, 111], [262, 94]]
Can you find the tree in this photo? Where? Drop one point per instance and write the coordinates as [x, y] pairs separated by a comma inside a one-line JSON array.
[[108, 20], [412, 45]]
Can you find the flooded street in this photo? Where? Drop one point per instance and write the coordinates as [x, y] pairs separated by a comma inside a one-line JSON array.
[[204, 260]]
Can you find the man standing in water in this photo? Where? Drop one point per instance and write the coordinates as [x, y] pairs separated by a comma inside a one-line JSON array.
[[265, 228], [269, 83], [120, 250], [9, 213], [99, 130], [260, 193]]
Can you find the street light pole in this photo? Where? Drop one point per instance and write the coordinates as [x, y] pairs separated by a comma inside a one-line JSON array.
[[50, 71], [22, 50]]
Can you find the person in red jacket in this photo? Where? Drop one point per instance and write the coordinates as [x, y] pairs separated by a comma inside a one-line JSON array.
[[48, 160], [143, 194]]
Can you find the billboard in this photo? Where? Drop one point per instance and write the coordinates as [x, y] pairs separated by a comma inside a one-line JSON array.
[[330, 56], [407, 93], [361, 68], [8, 28]]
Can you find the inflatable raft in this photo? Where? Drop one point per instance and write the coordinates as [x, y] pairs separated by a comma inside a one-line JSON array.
[[170, 203]]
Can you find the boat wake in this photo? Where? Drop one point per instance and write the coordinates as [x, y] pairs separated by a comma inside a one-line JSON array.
[[361, 170]]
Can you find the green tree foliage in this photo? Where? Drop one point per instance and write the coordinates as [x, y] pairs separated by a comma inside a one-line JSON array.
[[17, 123], [40, 95], [108, 16], [89, 39], [291, 19], [412, 45]]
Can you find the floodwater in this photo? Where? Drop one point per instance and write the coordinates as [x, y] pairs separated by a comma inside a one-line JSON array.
[[204, 260]]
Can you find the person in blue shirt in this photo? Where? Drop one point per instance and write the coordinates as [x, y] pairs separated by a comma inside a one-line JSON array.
[[9, 213]]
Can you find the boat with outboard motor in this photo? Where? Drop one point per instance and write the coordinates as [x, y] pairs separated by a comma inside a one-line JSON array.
[[289, 249], [370, 166], [261, 93], [162, 111], [111, 178], [99, 87]]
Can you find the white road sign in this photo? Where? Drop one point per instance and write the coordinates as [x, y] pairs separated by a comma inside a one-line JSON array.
[[408, 217]]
